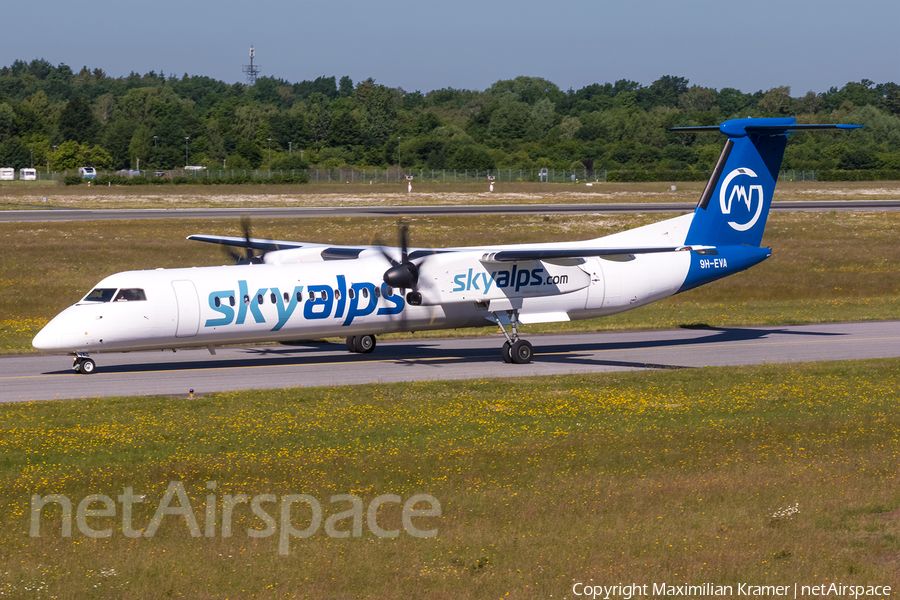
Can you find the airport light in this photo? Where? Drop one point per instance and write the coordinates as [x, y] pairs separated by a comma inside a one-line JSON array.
[[186, 162]]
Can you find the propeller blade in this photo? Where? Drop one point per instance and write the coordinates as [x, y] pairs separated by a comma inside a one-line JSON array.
[[403, 274]]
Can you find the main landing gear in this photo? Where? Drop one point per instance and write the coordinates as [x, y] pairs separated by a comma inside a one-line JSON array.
[[84, 365], [514, 350], [361, 343]]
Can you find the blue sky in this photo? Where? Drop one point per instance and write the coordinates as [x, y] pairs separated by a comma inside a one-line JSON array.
[[750, 45]]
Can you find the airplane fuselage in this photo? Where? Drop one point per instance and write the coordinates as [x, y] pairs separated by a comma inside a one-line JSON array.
[[234, 304]]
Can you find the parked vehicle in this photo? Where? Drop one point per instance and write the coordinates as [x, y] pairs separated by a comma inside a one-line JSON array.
[[88, 172]]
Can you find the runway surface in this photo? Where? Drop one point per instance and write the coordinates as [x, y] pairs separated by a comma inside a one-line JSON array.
[[40, 377], [68, 214]]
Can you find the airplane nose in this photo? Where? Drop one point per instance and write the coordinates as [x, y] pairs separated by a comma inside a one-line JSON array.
[[46, 339]]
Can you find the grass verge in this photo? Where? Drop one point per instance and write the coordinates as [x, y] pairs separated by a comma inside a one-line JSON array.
[[761, 475]]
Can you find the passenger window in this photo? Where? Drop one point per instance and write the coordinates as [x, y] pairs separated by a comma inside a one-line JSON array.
[[365, 292], [217, 302], [337, 294], [325, 295], [231, 300], [377, 293], [287, 297], [352, 293], [273, 297], [299, 296], [259, 298], [130, 295], [100, 295]]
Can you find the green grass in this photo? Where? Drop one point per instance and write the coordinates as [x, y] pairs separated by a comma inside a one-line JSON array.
[[825, 266], [643, 477], [346, 194]]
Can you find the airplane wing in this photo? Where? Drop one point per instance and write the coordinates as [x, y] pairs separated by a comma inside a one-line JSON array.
[[332, 252], [328, 251], [266, 245], [549, 254]]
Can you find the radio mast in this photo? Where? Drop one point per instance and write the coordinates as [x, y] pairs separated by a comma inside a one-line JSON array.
[[251, 70]]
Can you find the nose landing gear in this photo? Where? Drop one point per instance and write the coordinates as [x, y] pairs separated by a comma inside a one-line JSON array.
[[84, 365]]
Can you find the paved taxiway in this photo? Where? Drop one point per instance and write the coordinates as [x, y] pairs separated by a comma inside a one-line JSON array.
[[39, 377], [300, 212]]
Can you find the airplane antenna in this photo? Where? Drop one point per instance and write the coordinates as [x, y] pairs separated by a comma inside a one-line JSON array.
[[251, 70]]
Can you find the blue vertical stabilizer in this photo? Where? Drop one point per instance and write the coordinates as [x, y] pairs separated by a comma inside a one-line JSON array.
[[735, 203]]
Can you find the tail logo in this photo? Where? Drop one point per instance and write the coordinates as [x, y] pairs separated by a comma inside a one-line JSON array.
[[728, 193]]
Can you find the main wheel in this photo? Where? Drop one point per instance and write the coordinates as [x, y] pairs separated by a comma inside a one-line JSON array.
[[521, 352], [504, 352], [351, 344], [365, 343]]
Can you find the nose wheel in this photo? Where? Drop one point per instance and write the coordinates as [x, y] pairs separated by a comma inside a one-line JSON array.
[[514, 349], [84, 365]]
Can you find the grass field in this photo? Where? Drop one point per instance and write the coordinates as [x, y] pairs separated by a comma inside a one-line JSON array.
[[346, 194], [769, 475], [825, 266]]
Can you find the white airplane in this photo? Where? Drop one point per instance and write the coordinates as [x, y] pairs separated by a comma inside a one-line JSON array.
[[299, 290]]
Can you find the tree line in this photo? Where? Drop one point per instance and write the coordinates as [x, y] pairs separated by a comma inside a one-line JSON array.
[[52, 117]]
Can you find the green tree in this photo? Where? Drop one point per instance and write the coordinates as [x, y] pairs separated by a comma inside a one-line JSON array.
[[140, 146], [249, 151], [777, 101], [345, 87], [96, 156], [665, 91], [379, 115], [891, 102], [319, 118], [510, 120], [543, 114], [67, 157], [7, 121], [698, 99], [77, 121], [471, 157], [13, 153]]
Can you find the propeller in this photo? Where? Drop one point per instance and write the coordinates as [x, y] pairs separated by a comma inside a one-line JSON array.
[[403, 274], [250, 257]]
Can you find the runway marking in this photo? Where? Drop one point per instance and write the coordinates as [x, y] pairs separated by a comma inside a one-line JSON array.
[[681, 346]]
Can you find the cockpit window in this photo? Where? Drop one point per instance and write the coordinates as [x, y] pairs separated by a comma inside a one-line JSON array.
[[100, 295], [130, 295]]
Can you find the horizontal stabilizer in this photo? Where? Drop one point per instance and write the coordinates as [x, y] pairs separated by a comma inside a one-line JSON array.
[[742, 127]]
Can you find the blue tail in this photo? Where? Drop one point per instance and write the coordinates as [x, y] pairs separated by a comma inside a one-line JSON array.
[[735, 204]]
